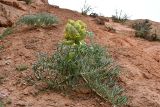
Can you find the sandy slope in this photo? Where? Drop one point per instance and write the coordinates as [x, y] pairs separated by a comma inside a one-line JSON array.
[[139, 60]]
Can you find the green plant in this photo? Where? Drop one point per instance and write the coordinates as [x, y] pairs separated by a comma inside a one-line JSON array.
[[1, 47], [86, 9], [75, 32], [76, 64], [119, 17], [1, 104], [143, 30], [29, 80], [21, 67], [39, 20], [6, 32]]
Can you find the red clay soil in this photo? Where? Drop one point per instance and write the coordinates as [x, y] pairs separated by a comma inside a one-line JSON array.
[[139, 61]]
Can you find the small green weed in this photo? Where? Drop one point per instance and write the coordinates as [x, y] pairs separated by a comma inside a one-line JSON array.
[[1, 47], [86, 9], [1, 104], [6, 32], [35, 20], [29, 80], [39, 20], [119, 18], [21, 67]]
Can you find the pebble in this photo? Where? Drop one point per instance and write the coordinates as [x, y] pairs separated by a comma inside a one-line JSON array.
[[4, 93], [7, 62], [21, 103]]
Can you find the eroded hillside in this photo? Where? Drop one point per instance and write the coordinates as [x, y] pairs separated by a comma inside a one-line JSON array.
[[139, 60]]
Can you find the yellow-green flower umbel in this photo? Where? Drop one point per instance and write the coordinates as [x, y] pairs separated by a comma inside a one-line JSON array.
[[75, 32]]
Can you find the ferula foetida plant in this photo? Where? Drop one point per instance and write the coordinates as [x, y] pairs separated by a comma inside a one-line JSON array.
[[76, 63], [75, 32]]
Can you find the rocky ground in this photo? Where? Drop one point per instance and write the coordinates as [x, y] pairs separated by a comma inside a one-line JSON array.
[[139, 60]]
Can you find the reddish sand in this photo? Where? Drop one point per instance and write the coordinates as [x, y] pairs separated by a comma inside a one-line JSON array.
[[139, 61]]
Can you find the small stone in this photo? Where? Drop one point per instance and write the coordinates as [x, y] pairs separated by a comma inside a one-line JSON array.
[[4, 94], [7, 62], [21, 103], [102, 103], [8, 58], [66, 104], [83, 90], [8, 101]]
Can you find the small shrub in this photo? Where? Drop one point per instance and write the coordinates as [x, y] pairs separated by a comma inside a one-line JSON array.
[[76, 64], [6, 32], [29, 80], [110, 28], [86, 9], [35, 20], [119, 18], [39, 20], [143, 30], [21, 67]]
